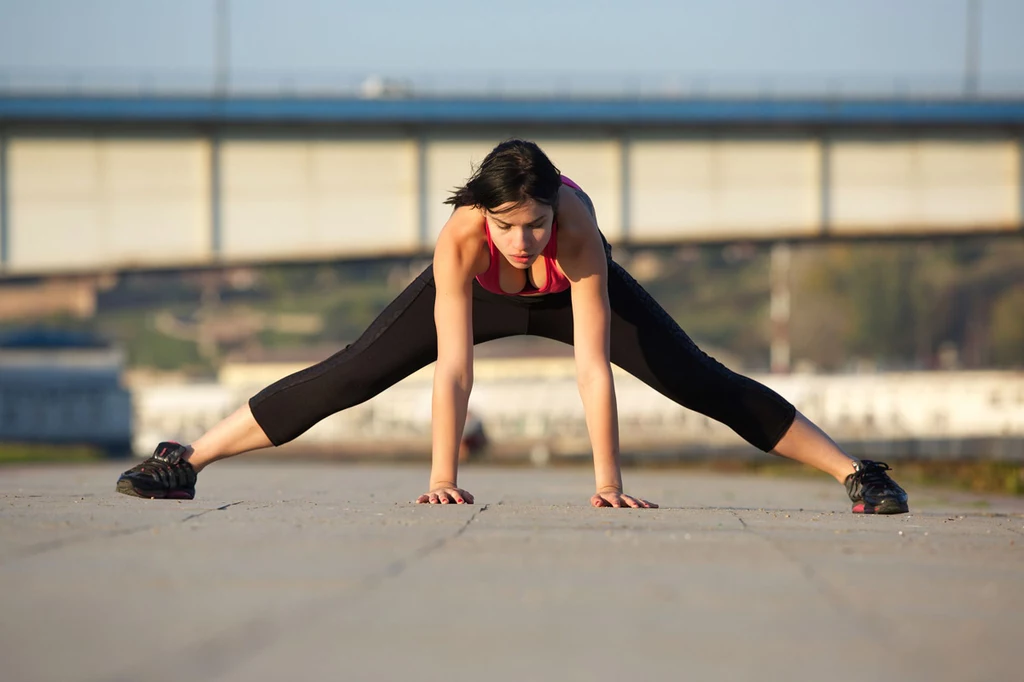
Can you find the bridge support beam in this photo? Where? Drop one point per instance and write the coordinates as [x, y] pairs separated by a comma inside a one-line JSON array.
[[825, 177], [625, 185], [422, 206], [216, 200], [5, 228]]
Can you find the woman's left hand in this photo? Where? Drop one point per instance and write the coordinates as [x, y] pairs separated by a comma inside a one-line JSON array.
[[616, 499]]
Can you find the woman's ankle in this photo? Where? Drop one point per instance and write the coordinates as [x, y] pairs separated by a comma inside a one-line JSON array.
[[198, 463], [845, 470]]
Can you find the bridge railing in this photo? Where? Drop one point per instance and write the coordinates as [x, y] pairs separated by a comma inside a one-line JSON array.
[[558, 84]]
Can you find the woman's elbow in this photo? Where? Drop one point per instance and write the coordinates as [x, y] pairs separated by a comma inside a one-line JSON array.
[[455, 374], [593, 373]]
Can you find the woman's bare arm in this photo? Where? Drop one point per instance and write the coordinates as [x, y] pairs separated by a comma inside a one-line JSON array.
[[455, 259], [586, 266]]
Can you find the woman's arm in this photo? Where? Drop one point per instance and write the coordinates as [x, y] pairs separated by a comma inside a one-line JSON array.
[[586, 267], [453, 374]]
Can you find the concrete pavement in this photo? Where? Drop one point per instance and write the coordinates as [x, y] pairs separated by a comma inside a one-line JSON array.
[[313, 571]]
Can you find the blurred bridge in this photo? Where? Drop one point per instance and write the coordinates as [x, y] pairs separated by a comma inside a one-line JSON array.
[[93, 183]]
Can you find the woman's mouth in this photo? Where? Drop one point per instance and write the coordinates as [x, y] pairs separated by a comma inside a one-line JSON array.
[[520, 259]]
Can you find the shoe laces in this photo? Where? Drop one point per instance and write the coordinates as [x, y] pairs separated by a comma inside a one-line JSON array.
[[168, 453], [168, 466], [873, 473]]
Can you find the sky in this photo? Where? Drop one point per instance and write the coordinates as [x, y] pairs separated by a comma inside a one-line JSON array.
[[753, 41]]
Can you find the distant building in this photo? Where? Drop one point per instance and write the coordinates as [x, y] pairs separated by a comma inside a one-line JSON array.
[[63, 388]]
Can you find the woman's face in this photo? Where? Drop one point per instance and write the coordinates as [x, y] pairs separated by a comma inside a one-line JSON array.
[[520, 232]]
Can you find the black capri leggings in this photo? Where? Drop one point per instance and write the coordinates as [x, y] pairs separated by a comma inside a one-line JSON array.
[[645, 341]]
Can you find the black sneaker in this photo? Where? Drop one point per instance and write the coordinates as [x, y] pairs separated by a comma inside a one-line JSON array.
[[164, 475], [873, 492]]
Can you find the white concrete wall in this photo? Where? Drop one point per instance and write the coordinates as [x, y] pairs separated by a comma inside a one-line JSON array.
[[926, 406], [84, 203], [3, 183], [92, 202], [881, 186], [596, 166], [315, 198], [723, 188], [449, 163]]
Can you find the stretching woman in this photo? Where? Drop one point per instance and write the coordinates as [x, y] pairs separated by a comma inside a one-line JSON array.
[[521, 254]]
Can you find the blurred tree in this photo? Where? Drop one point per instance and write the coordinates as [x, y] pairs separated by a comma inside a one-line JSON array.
[[897, 304], [1008, 328], [892, 305]]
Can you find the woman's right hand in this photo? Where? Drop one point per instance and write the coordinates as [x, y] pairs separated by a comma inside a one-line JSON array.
[[445, 495]]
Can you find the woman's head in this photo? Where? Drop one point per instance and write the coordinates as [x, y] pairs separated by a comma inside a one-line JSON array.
[[516, 186], [513, 173]]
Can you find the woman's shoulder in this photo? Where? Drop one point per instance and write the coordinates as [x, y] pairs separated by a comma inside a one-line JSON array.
[[463, 238], [465, 226], [577, 225]]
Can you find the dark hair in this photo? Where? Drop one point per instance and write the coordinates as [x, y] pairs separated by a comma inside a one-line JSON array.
[[514, 171]]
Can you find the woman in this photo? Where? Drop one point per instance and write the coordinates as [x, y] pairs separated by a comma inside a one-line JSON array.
[[520, 254]]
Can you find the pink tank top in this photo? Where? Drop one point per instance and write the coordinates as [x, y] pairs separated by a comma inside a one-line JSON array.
[[555, 281]]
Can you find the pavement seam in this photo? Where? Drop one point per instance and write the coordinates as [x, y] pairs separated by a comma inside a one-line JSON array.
[[881, 631], [396, 568], [207, 511], [42, 548], [1014, 530], [217, 655], [835, 597]]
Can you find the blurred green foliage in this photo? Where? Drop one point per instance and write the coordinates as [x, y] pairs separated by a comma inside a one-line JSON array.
[[16, 453], [887, 305], [924, 305], [978, 476]]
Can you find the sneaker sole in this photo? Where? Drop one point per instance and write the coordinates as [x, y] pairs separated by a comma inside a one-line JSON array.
[[125, 487], [886, 507]]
